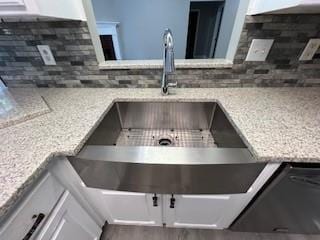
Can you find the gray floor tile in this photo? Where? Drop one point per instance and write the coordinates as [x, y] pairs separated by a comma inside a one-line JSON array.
[[118, 232]]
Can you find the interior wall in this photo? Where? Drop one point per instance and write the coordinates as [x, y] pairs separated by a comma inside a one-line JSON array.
[[142, 23], [104, 10], [227, 23], [141, 39], [237, 29]]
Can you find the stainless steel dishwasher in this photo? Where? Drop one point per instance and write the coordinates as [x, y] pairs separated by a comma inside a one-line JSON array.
[[290, 203]]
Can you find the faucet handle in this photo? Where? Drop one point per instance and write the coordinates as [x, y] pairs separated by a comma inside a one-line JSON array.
[[172, 84]]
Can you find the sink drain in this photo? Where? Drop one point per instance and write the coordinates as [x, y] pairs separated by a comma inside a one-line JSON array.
[[165, 142]]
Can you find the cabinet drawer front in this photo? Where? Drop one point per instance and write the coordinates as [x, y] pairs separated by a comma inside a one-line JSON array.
[[40, 200]]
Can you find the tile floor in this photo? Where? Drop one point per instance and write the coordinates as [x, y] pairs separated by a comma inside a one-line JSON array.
[[118, 232]]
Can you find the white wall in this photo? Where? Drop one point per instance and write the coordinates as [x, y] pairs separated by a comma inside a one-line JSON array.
[[231, 27], [227, 22], [141, 38]]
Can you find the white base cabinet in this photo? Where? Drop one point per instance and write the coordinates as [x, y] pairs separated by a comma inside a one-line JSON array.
[[40, 200], [49, 212], [216, 211], [179, 211], [69, 221], [70, 210]]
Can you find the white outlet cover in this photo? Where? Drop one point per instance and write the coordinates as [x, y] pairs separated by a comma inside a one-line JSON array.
[[46, 55], [310, 49], [259, 49]]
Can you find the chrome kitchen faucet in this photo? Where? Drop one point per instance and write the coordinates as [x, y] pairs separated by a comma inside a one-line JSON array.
[[168, 62]]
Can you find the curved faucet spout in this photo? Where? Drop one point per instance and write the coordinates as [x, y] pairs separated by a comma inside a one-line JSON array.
[[168, 39], [168, 61]]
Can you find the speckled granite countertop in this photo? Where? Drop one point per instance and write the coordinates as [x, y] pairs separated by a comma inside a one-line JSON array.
[[277, 125], [19, 105]]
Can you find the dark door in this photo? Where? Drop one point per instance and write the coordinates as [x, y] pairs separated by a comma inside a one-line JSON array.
[[107, 46], [192, 30]]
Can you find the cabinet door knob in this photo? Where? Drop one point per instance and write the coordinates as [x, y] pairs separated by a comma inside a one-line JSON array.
[[34, 227], [172, 201], [155, 200]]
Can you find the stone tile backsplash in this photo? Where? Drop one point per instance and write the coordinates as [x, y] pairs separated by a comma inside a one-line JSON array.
[[21, 64]]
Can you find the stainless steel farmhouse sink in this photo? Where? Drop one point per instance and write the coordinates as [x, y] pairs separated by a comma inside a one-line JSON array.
[[166, 147]]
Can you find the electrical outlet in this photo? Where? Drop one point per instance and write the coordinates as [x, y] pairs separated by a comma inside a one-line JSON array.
[[311, 48], [259, 49], [46, 55]]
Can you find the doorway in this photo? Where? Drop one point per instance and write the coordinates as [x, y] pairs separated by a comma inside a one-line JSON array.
[[107, 46], [203, 29], [192, 32]]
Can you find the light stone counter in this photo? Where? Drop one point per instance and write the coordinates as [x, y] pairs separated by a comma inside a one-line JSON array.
[[19, 105], [276, 124]]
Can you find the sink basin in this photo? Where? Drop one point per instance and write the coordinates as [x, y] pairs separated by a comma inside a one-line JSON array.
[[180, 124], [166, 147]]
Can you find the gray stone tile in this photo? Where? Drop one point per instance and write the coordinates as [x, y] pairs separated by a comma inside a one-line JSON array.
[[72, 47]]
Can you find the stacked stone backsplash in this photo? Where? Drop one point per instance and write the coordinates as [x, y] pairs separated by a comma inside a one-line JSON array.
[[21, 65]]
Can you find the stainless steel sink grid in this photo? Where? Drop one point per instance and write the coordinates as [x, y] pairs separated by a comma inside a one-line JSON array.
[[167, 147], [165, 137]]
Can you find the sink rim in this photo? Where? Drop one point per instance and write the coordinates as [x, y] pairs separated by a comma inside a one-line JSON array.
[[166, 155]]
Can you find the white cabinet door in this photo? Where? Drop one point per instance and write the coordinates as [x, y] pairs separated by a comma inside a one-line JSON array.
[[212, 211], [69, 221], [129, 208], [196, 211], [12, 3], [40, 200]]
